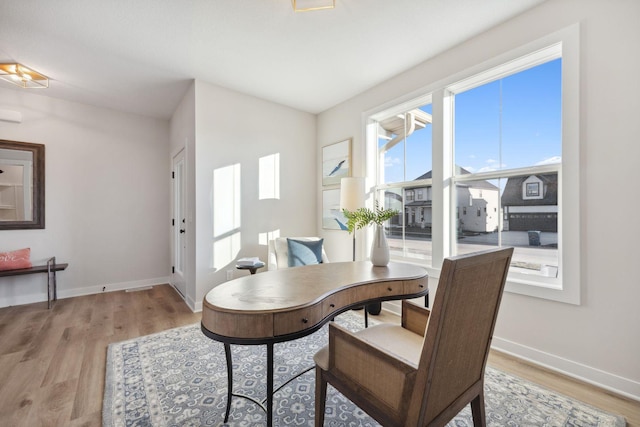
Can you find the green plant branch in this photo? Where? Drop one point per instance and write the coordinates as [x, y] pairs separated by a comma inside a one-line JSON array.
[[363, 217]]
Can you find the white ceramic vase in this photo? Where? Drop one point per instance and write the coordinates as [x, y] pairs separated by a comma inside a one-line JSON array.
[[379, 248]]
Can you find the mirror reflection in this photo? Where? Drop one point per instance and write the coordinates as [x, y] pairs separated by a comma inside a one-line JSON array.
[[21, 185], [16, 186]]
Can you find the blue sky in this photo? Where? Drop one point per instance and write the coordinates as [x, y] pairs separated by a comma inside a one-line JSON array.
[[510, 123]]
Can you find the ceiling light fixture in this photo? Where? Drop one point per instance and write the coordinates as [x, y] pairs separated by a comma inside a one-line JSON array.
[[23, 76], [309, 5]]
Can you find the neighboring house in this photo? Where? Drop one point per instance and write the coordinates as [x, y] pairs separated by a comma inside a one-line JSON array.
[[477, 205], [531, 203]]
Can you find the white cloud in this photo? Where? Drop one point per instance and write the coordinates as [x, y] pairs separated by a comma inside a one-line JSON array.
[[550, 161], [391, 161], [492, 165], [487, 169]]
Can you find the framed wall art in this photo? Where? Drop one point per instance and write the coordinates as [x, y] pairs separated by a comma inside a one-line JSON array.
[[332, 217], [336, 162]]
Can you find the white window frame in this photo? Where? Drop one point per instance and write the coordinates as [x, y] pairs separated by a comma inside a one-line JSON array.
[[566, 288]]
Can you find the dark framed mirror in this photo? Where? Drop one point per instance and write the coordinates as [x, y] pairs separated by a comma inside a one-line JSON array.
[[21, 185]]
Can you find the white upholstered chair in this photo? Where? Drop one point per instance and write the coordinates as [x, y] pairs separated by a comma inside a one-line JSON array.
[[279, 252], [278, 258]]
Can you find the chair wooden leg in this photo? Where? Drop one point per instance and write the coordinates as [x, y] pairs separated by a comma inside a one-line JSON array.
[[321, 397], [478, 411]]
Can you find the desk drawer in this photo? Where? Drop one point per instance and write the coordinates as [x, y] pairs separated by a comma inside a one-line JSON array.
[[296, 320], [380, 290], [415, 286], [238, 325], [338, 301]]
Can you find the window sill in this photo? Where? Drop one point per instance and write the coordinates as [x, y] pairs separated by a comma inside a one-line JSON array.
[[538, 287]]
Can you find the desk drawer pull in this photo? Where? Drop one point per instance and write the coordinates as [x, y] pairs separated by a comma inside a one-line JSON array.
[[305, 320], [390, 289], [332, 305]]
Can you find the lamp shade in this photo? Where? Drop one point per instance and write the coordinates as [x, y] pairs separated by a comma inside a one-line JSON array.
[[352, 193]]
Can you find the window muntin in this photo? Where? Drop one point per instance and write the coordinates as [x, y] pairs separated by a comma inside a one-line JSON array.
[[532, 189], [409, 195]]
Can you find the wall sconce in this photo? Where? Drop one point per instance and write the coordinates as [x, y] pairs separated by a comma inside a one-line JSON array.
[[23, 76], [309, 5]]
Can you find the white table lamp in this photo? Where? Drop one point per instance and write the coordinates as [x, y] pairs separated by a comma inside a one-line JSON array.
[[352, 198]]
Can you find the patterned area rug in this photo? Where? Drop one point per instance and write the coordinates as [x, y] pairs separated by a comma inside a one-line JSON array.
[[178, 378]]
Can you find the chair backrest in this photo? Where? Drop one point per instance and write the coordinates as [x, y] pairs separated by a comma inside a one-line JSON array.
[[278, 256], [459, 332]]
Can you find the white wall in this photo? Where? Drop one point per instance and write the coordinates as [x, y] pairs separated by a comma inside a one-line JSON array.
[[237, 129], [598, 340], [183, 137], [107, 197]]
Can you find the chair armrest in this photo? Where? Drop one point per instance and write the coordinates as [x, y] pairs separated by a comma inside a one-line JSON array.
[[414, 317], [366, 368], [272, 260]]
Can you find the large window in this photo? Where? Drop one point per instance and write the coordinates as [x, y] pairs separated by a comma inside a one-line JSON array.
[[490, 160], [507, 141]]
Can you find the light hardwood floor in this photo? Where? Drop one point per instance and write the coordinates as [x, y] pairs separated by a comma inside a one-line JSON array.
[[52, 362]]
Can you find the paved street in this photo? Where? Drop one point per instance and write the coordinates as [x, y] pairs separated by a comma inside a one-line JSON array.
[[527, 259]]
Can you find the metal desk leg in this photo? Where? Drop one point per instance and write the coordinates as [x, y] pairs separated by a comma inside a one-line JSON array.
[[269, 384], [227, 353], [267, 403]]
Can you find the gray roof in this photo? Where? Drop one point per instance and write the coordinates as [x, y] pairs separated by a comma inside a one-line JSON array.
[[512, 195], [462, 171]]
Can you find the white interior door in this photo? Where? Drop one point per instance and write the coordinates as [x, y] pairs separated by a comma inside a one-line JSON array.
[[178, 224]]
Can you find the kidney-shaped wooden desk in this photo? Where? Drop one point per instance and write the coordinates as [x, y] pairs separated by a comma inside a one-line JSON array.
[[283, 305]]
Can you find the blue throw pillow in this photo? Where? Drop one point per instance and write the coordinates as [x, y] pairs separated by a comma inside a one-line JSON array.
[[303, 252]]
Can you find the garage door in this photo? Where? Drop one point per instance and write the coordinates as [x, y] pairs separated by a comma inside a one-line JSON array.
[[533, 221]]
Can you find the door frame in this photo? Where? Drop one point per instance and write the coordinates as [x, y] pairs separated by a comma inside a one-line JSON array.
[[179, 222]]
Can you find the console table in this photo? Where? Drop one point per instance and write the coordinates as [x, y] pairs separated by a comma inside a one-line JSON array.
[[283, 305], [50, 269]]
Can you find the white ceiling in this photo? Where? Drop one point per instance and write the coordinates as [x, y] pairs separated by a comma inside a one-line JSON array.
[[140, 55]]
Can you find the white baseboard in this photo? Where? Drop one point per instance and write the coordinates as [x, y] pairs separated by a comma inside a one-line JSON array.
[[606, 380], [112, 287], [597, 377], [77, 292], [195, 307]]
